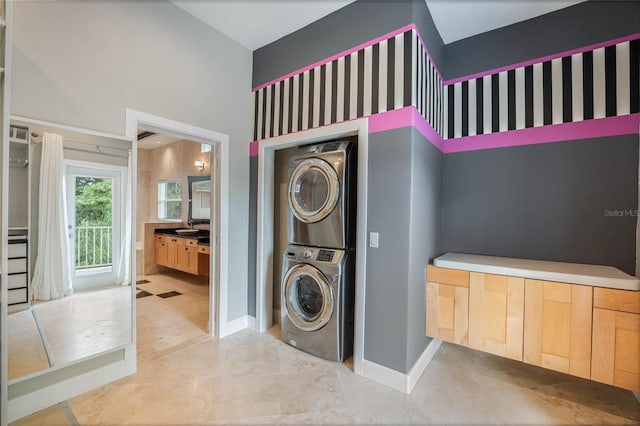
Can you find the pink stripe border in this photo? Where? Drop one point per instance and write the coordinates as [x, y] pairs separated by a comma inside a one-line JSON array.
[[338, 55], [405, 117], [410, 117], [588, 129], [543, 58], [254, 148], [414, 27]]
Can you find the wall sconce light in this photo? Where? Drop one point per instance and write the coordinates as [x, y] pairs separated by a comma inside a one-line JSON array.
[[199, 165]]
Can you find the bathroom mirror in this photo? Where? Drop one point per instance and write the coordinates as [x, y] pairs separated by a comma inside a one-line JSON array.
[[199, 199], [95, 317]]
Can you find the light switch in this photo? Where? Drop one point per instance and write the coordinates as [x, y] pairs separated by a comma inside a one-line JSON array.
[[373, 239]]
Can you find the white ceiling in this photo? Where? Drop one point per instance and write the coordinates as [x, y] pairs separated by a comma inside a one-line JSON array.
[[156, 141], [460, 19], [256, 23]]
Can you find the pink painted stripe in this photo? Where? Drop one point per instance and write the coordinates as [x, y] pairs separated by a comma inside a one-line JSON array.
[[390, 120], [609, 126], [337, 55], [253, 148], [544, 58], [427, 131], [405, 117]]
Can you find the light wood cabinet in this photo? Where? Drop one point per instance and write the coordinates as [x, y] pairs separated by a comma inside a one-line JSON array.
[[557, 326], [162, 252], [616, 338], [182, 254], [496, 314], [447, 295]]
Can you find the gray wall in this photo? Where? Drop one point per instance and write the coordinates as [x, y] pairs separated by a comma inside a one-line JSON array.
[[389, 183], [576, 26], [545, 201], [82, 63], [350, 26], [404, 199], [425, 235]]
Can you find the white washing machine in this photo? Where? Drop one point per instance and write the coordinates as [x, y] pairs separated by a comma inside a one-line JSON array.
[[317, 301], [321, 195]]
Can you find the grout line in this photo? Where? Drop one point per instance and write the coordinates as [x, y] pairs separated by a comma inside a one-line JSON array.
[[68, 413], [43, 337]]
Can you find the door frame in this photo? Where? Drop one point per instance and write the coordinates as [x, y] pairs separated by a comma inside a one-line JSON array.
[[118, 210], [218, 263], [265, 237]]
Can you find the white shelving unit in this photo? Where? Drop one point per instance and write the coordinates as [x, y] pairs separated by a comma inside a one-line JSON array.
[[6, 7]]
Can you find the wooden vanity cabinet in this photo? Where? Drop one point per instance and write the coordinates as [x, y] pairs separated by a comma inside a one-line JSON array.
[[616, 338], [496, 314], [447, 295], [187, 255], [557, 326], [181, 254], [162, 252]]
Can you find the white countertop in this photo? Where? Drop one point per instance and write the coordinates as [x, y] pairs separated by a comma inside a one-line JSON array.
[[574, 273]]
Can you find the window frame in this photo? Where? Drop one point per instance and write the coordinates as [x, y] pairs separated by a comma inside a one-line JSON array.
[[165, 200]]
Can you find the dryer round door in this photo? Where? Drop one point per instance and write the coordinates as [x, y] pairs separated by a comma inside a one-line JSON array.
[[308, 298], [314, 189]]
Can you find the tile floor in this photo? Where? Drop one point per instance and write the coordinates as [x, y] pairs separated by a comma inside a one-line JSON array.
[[74, 327], [184, 376]]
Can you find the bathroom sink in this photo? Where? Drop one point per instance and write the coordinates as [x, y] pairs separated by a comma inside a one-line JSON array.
[[187, 231]]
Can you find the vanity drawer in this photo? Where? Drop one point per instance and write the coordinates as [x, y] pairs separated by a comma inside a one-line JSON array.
[[17, 281], [17, 265], [203, 249], [192, 243], [17, 296], [17, 250], [160, 238]]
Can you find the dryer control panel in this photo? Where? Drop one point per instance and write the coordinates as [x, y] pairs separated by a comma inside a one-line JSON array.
[[314, 254]]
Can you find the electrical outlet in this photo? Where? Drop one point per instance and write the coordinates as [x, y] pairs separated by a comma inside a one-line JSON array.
[[373, 239]]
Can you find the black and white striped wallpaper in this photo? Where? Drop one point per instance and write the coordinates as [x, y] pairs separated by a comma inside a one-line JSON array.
[[594, 84], [371, 80], [397, 72]]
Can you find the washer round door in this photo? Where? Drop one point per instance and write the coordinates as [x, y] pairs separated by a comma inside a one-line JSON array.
[[308, 298], [314, 190]]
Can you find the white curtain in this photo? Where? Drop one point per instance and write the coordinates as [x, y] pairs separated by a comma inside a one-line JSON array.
[[52, 275], [124, 266]]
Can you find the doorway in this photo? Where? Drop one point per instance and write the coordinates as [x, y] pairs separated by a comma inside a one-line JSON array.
[[219, 243], [94, 206]]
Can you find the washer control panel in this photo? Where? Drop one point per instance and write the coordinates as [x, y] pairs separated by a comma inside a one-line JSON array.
[[325, 255]]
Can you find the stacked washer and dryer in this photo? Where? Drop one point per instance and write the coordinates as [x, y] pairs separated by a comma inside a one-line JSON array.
[[318, 271]]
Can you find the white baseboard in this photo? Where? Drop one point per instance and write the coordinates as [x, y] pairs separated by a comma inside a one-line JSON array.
[[251, 322], [234, 326], [400, 381], [421, 364], [42, 398]]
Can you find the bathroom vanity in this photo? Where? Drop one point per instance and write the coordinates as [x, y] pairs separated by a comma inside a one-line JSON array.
[[186, 253]]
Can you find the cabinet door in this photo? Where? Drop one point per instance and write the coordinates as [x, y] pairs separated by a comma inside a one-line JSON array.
[[182, 255], [447, 312], [161, 253], [172, 245], [192, 260], [616, 349], [496, 314], [557, 326]]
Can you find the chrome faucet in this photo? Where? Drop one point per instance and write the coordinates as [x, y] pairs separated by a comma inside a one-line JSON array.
[[190, 223]]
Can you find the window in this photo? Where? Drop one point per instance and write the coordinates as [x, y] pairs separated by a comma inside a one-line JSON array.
[[170, 200], [205, 147]]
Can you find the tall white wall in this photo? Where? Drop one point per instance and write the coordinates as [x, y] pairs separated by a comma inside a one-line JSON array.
[[83, 63]]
